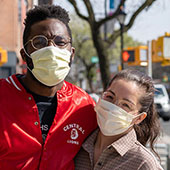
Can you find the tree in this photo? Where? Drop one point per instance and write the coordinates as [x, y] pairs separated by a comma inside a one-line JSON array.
[[102, 45], [82, 41], [115, 52], [84, 48]]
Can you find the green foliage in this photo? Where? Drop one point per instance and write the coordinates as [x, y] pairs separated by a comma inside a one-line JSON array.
[[83, 43], [82, 40], [115, 49], [96, 24]]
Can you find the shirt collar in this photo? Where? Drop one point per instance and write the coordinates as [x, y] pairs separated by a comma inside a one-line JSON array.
[[121, 146], [125, 143]]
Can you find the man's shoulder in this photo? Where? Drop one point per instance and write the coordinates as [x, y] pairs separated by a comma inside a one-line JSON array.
[[75, 87], [3, 81], [10, 82], [9, 79], [145, 155], [78, 92]]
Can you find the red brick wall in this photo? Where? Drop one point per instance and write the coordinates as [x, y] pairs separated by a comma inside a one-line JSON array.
[[9, 24]]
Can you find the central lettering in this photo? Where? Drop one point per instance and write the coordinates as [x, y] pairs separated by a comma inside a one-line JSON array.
[[74, 125]]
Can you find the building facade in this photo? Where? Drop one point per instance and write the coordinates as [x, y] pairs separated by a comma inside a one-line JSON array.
[[12, 17]]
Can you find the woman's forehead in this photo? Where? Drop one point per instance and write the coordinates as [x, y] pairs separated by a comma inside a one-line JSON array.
[[125, 89]]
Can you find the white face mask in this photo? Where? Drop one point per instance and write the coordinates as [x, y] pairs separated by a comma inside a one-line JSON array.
[[51, 65], [112, 120]]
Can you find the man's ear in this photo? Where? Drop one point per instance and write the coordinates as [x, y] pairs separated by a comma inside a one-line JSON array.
[[72, 53], [23, 55], [140, 118], [27, 59]]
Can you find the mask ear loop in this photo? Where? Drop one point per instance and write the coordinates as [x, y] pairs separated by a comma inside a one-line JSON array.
[[29, 57], [71, 59], [26, 53]]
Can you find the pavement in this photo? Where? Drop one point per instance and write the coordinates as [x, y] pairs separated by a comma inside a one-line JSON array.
[[165, 139]]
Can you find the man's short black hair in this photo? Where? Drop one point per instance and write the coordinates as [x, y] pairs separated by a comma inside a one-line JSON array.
[[43, 12]]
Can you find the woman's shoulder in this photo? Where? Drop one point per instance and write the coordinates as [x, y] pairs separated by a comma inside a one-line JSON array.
[[144, 155]]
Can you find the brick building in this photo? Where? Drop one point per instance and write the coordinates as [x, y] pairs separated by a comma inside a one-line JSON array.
[[12, 17]]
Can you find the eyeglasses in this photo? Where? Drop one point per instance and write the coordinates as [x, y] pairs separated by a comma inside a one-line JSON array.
[[41, 41], [125, 104]]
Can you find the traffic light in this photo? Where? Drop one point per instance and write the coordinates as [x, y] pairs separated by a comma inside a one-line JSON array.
[[134, 56], [3, 56], [160, 49], [128, 56]]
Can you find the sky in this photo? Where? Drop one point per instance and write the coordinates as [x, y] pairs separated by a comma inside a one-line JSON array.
[[148, 25], [153, 23]]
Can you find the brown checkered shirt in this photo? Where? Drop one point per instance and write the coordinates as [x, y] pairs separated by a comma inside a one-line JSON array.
[[124, 154]]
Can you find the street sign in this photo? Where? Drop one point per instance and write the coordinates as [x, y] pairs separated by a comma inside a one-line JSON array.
[[94, 59], [111, 5], [166, 47], [143, 54]]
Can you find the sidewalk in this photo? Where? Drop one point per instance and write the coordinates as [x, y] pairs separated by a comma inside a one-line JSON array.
[[162, 147], [165, 139]]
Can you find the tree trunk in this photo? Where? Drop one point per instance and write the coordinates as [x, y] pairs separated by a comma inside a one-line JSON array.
[[103, 58], [89, 78]]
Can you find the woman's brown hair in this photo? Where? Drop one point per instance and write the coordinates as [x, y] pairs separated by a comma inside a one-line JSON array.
[[149, 129]]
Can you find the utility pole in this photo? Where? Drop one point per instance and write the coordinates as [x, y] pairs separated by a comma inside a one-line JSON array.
[[149, 43], [105, 24], [43, 2], [121, 18], [121, 41]]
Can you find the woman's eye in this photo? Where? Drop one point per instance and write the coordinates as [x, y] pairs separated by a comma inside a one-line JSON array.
[[126, 105], [109, 97]]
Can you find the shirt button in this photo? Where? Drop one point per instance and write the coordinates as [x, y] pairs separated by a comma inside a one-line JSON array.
[[36, 123], [29, 98], [100, 164], [110, 147]]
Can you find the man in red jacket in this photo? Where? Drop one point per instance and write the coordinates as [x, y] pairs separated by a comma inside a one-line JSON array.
[[44, 119]]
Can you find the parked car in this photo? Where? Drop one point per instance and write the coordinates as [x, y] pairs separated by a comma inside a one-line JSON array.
[[162, 101]]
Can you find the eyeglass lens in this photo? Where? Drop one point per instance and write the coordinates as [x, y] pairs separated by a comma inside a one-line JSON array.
[[41, 41]]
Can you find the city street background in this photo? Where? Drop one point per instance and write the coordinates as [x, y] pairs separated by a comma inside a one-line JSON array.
[[151, 27]]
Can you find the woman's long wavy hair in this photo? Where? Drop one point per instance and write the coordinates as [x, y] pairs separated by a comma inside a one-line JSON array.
[[149, 129]]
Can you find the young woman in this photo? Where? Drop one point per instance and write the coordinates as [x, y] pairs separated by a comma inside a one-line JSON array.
[[127, 121]]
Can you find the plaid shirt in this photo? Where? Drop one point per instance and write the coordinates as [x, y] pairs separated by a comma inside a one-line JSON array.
[[124, 154]]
